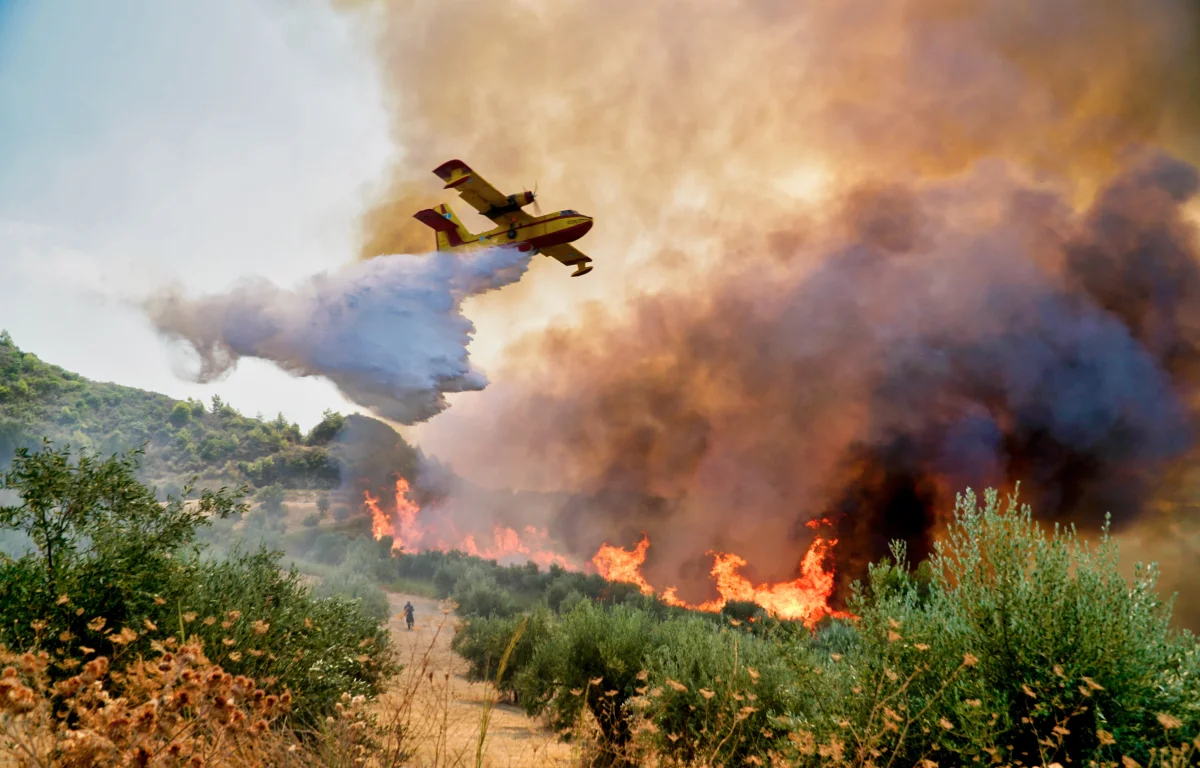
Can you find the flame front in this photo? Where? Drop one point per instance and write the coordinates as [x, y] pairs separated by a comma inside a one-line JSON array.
[[616, 564], [380, 525], [439, 532], [805, 598]]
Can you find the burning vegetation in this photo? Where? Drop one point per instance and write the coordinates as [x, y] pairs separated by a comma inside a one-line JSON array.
[[440, 532], [805, 598]]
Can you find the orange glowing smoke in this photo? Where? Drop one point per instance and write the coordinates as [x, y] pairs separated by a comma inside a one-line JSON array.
[[507, 543], [805, 598], [440, 533]]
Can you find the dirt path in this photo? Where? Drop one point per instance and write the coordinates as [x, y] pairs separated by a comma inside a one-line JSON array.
[[446, 710]]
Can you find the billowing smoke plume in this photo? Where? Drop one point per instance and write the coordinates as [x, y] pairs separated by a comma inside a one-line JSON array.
[[388, 332], [851, 257], [970, 333], [680, 119]]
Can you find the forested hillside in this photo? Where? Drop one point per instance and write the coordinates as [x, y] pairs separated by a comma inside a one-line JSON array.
[[185, 438]]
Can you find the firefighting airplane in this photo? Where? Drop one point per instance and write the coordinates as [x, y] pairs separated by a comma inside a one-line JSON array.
[[551, 234]]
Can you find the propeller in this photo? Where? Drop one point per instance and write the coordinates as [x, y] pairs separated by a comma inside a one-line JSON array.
[[537, 207]]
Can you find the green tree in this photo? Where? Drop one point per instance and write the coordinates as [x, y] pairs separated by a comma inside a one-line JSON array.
[[328, 429], [181, 414], [66, 502], [271, 498], [608, 645], [1015, 644]]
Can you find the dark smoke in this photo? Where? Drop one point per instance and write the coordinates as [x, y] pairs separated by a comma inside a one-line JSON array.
[[976, 333]]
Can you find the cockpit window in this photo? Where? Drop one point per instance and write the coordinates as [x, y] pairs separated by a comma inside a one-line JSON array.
[[569, 212]]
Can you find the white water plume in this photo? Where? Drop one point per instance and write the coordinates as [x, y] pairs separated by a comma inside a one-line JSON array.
[[389, 331]]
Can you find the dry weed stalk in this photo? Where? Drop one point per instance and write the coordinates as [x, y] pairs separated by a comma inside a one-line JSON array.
[[176, 710]]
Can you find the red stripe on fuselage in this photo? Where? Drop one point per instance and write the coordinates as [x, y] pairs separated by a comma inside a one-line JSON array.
[[561, 236]]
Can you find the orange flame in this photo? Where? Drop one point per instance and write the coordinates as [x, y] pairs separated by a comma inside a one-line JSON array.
[[409, 534], [380, 525], [805, 598], [507, 542], [616, 564], [406, 515]]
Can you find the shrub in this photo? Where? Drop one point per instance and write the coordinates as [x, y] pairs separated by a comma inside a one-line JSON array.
[[446, 576], [1053, 615], [181, 414], [178, 708], [329, 548], [112, 566], [1024, 645], [478, 595], [103, 543], [712, 693], [372, 559], [483, 641], [271, 497], [594, 659]]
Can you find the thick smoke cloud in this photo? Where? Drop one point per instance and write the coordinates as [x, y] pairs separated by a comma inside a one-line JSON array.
[[683, 117], [388, 332], [967, 333], [840, 258]]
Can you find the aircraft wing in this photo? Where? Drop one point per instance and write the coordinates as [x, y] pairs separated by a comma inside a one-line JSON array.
[[571, 256], [479, 194]]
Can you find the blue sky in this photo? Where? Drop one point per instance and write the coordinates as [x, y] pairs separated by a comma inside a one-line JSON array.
[[199, 140]]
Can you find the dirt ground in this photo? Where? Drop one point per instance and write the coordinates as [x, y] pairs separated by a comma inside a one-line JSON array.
[[446, 710]]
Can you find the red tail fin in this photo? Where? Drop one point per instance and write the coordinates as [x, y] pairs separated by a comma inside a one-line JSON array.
[[450, 231]]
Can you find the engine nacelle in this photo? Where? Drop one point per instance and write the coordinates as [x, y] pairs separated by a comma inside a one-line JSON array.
[[511, 203], [521, 199]]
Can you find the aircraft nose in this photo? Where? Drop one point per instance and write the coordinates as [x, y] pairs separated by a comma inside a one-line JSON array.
[[586, 226]]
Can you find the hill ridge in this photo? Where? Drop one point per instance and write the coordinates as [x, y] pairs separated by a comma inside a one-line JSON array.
[[186, 438]]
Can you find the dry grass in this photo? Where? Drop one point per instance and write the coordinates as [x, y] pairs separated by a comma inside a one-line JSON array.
[[447, 718]]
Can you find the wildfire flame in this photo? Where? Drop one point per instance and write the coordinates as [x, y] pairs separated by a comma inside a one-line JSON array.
[[805, 598], [439, 533], [405, 518], [616, 564]]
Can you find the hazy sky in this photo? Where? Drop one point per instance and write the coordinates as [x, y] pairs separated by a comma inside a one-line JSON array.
[[143, 141]]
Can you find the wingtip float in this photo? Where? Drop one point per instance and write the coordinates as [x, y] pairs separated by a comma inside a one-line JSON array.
[[551, 234]]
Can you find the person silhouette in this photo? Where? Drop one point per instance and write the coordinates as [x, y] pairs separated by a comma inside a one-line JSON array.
[[408, 615]]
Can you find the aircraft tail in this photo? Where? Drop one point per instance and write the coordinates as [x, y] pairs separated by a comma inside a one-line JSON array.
[[450, 230]]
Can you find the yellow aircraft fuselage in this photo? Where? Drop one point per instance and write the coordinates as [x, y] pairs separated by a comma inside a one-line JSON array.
[[542, 232], [550, 234]]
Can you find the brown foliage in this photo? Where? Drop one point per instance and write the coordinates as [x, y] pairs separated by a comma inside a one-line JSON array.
[[177, 709]]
